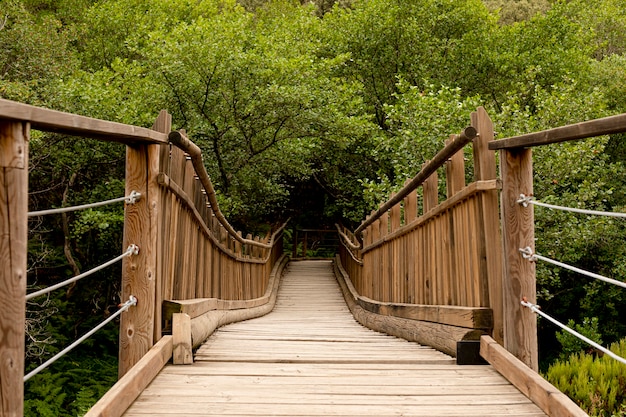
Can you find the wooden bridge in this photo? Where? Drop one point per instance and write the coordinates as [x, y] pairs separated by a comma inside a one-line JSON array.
[[437, 280]]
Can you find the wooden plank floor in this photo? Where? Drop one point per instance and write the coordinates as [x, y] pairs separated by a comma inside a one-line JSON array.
[[309, 357]]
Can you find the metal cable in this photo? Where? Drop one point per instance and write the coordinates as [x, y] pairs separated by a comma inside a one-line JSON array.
[[526, 200], [536, 309], [129, 199], [132, 250], [527, 253], [131, 302]]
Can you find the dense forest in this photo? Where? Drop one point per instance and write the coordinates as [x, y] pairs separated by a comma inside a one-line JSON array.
[[314, 110]]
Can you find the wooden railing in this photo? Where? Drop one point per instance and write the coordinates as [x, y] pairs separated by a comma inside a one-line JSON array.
[[439, 267], [192, 268]]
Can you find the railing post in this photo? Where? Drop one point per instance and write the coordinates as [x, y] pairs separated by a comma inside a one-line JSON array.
[[14, 139], [139, 272], [520, 324], [491, 246]]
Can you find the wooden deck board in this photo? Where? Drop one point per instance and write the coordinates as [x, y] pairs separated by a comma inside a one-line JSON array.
[[309, 357]]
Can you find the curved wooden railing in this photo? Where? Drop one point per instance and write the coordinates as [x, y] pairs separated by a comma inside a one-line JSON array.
[[443, 275], [434, 267], [193, 272]]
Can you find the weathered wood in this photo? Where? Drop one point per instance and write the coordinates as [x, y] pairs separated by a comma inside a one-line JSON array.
[[162, 124], [128, 388], [442, 337], [598, 127], [518, 230], [552, 401], [73, 124], [466, 193], [14, 138], [309, 357], [488, 229], [138, 271], [455, 171], [431, 192], [181, 339], [438, 160]]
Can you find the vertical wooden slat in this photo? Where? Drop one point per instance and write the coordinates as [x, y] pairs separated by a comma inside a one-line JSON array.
[[162, 124], [455, 171], [138, 272], [520, 324], [14, 139], [430, 192], [491, 249]]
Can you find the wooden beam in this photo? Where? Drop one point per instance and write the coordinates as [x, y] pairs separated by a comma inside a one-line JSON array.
[[598, 127], [490, 246], [181, 337], [139, 271], [162, 124], [14, 137], [552, 401], [73, 124], [115, 402], [518, 232]]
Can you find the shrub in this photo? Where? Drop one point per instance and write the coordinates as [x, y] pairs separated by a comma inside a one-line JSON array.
[[597, 383]]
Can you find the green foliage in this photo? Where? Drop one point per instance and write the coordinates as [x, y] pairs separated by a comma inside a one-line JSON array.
[[71, 387], [512, 11], [571, 344], [597, 383], [35, 53]]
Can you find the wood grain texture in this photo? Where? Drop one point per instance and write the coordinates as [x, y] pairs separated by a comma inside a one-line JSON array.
[[598, 127], [488, 226], [14, 139], [128, 388], [139, 271], [530, 383], [518, 231], [310, 358], [181, 338], [73, 124]]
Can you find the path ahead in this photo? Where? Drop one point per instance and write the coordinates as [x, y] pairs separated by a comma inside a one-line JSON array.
[[309, 357]]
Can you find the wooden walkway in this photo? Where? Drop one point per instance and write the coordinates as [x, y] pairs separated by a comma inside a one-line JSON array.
[[309, 357]]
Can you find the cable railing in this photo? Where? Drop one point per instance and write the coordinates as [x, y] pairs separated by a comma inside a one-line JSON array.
[[178, 246], [528, 254], [132, 249], [132, 301]]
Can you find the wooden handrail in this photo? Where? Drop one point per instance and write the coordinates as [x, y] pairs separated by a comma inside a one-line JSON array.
[[181, 141], [466, 136], [588, 129], [73, 124]]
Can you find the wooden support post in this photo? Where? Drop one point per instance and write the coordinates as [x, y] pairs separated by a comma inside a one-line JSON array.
[[162, 124], [520, 324], [139, 271], [490, 241], [181, 334], [14, 139]]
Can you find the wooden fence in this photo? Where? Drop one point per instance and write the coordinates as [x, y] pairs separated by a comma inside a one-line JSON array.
[[440, 265], [190, 259]]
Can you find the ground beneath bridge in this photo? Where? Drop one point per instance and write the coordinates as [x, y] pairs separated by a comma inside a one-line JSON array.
[[309, 357]]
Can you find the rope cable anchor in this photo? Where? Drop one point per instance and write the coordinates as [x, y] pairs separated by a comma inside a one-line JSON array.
[[524, 200], [130, 251], [132, 198]]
